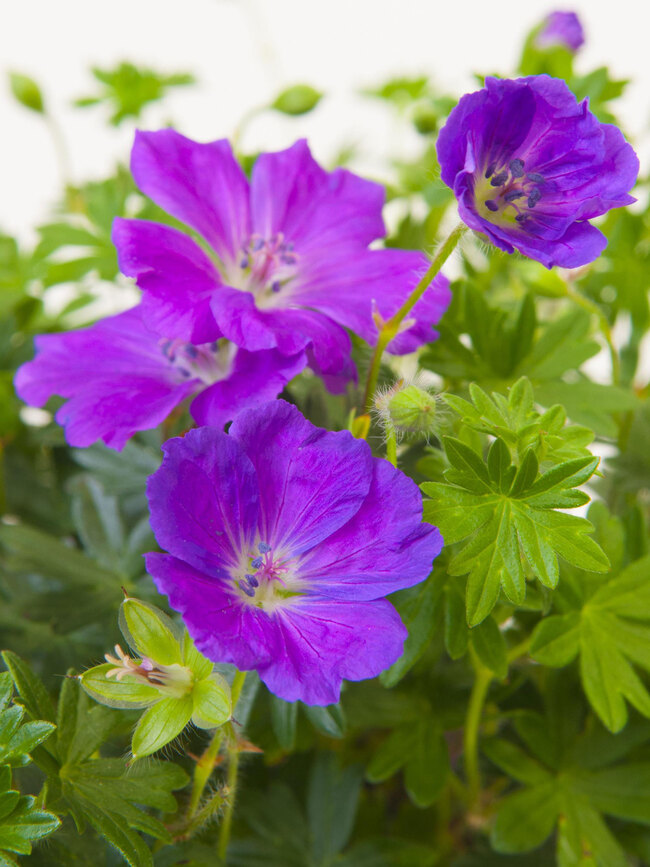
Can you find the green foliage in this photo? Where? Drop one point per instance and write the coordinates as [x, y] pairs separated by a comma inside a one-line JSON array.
[[127, 89], [22, 819], [571, 776], [606, 622], [505, 507], [101, 792], [512, 730]]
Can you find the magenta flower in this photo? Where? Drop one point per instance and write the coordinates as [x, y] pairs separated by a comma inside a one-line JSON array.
[[119, 378], [530, 167], [288, 265], [288, 271], [283, 538], [561, 29]]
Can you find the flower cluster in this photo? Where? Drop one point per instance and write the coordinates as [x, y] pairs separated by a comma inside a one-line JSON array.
[[278, 270], [283, 539]]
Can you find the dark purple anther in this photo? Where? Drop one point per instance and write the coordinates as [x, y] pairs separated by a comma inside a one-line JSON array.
[[536, 177], [517, 168], [534, 197], [276, 286], [249, 591], [513, 194], [521, 218], [252, 580], [490, 205], [490, 170], [257, 245], [191, 351], [264, 548], [500, 179], [245, 262], [256, 562]]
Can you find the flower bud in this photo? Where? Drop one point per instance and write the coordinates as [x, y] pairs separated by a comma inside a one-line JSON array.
[[409, 409]]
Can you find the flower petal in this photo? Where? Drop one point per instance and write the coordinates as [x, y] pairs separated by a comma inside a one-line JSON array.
[[202, 185], [113, 373], [292, 194], [177, 277], [383, 548], [326, 642], [311, 481], [255, 378], [204, 500], [351, 284]]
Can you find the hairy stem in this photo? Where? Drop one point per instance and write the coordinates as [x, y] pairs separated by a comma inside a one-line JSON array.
[[206, 763], [391, 443], [233, 771], [390, 328]]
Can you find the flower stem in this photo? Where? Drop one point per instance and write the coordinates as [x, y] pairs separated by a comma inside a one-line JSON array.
[[202, 772], [482, 680], [391, 443], [206, 763], [233, 770], [591, 307], [390, 328]]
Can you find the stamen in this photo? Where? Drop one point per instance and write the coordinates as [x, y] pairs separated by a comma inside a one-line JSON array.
[[534, 197], [245, 262], [264, 548], [521, 218], [248, 590], [252, 580], [536, 177], [490, 170], [517, 168], [499, 180], [491, 206], [276, 286], [257, 562], [513, 194]]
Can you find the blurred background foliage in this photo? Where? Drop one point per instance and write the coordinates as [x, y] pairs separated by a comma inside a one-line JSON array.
[[392, 776]]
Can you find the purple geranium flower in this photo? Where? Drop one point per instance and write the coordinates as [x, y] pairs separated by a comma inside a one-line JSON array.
[[530, 167], [283, 538], [119, 377], [287, 265], [563, 29]]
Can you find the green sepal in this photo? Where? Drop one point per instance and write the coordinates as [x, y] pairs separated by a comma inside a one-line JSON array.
[[212, 705], [150, 632], [161, 724], [128, 692], [194, 659]]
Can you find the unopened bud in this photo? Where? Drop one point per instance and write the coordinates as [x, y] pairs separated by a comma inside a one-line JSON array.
[[409, 409]]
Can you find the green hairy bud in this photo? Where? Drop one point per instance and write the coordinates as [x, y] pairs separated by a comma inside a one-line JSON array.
[[409, 409]]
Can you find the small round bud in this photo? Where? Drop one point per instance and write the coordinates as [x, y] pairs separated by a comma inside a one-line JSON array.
[[412, 410]]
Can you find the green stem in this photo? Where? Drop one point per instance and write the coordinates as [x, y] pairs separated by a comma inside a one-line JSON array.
[[205, 764], [202, 772], [233, 771], [391, 443], [390, 328], [591, 307], [482, 682], [60, 149]]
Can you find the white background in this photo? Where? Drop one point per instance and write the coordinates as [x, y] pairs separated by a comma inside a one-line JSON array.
[[244, 51]]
